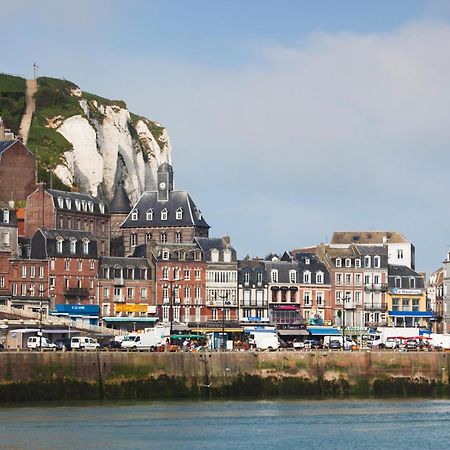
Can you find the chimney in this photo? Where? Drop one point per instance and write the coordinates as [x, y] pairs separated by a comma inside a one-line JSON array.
[[226, 240]]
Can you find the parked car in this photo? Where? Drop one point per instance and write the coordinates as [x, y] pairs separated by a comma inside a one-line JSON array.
[[392, 343], [84, 343], [63, 344], [312, 344], [334, 344], [38, 342], [111, 344], [297, 344], [411, 345]]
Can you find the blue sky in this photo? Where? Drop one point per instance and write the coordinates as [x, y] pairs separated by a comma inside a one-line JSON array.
[[288, 119]]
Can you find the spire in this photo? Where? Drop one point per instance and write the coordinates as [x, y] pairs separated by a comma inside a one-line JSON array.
[[120, 204]]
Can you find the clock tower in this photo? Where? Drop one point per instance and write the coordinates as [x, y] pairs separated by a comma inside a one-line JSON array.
[[165, 182]]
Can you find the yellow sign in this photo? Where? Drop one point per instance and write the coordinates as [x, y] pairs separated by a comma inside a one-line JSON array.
[[130, 307]]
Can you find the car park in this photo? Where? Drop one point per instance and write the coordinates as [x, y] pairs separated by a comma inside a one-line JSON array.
[[40, 342], [84, 343]]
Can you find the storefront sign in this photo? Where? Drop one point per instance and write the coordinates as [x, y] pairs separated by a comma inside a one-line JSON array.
[[406, 291], [130, 307]]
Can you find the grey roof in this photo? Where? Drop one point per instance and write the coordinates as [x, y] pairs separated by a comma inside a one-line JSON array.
[[4, 145], [67, 234], [120, 203], [404, 272], [372, 250], [165, 167], [177, 199], [315, 265], [77, 196], [111, 261], [208, 244]]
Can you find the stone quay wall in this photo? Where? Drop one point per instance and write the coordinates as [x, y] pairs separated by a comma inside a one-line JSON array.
[[29, 376]]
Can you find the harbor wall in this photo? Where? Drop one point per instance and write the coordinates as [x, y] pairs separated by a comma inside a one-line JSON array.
[[27, 376]]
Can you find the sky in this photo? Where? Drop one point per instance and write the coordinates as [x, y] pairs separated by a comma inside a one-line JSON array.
[[288, 120]]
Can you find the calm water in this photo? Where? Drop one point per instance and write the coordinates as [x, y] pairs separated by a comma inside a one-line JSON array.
[[354, 424]]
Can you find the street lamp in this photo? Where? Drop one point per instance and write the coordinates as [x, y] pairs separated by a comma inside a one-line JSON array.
[[224, 301], [342, 311]]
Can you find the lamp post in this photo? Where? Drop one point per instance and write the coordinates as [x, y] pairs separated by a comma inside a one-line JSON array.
[[223, 297], [343, 320]]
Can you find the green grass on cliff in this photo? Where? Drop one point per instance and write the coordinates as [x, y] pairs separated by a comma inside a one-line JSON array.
[[12, 100], [154, 128]]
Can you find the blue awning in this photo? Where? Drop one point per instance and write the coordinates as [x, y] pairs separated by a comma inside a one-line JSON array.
[[324, 331], [427, 314]]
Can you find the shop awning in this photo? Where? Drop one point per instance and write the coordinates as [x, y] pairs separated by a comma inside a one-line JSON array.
[[219, 330], [427, 314], [324, 331], [130, 319], [293, 333]]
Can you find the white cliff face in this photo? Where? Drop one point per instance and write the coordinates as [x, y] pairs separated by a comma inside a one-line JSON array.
[[108, 148]]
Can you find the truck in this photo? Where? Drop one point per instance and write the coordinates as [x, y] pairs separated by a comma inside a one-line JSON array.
[[151, 338], [387, 335], [440, 341], [264, 339]]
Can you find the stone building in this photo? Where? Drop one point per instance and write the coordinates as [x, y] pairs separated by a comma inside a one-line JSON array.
[[435, 299], [60, 210], [17, 171], [165, 216], [119, 208]]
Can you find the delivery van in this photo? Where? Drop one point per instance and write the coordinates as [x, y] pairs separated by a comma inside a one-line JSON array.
[[264, 340], [84, 343]]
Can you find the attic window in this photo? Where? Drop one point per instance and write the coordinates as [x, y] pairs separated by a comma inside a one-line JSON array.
[[214, 255], [77, 204], [85, 246], [227, 255], [348, 262], [149, 215], [179, 214], [59, 245], [91, 207], [73, 246], [68, 203], [199, 213], [357, 263], [135, 215], [102, 208], [84, 205], [60, 202], [307, 261], [165, 254], [6, 216], [164, 214], [338, 262]]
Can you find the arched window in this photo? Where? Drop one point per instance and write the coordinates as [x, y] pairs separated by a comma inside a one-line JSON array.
[[164, 214], [149, 215]]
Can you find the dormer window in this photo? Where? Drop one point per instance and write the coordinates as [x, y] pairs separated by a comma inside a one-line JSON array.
[[292, 276], [307, 277], [68, 203], [6, 216], [165, 254], [135, 215], [102, 208], [338, 262], [60, 202], [77, 204], [91, 206], [85, 246], [227, 255], [274, 276], [412, 282], [246, 278], [357, 263], [348, 262], [214, 255], [59, 245], [398, 282], [377, 262], [164, 214], [84, 205], [73, 246], [149, 214], [367, 261], [179, 214], [307, 261], [199, 214], [319, 277]]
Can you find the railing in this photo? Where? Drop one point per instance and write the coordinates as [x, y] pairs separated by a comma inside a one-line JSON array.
[[369, 306], [76, 292], [382, 287], [118, 281]]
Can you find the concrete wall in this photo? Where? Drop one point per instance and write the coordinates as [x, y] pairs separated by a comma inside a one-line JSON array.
[[119, 375]]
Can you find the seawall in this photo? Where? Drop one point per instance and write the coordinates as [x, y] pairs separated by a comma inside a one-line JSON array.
[[118, 375]]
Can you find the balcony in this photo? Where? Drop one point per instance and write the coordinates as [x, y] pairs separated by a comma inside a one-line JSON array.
[[119, 299], [375, 287], [349, 305], [118, 281], [369, 306], [76, 292]]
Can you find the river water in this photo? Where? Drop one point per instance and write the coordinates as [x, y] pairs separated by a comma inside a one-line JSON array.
[[327, 424]]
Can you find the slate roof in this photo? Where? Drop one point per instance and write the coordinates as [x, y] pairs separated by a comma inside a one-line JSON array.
[[120, 203], [77, 196], [315, 265], [112, 261], [404, 272], [177, 199], [4, 145], [208, 244], [372, 250]]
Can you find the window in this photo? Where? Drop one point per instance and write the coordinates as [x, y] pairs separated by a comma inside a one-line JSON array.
[[399, 253], [307, 277], [367, 261], [165, 273], [90, 206], [320, 298], [187, 292], [179, 214], [338, 296], [165, 254], [163, 237], [358, 279], [68, 203], [6, 239], [102, 208], [92, 264], [149, 214], [32, 272], [59, 246], [259, 278], [319, 277], [198, 274], [60, 202], [348, 279], [24, 271], [164, 214], [376, 278], [79, 283], [24, 290], [198, 256], [274, 276], [85, 247], [73, 246], [338, 262], [214, 315], [227, 255], [178, 237], [67, 263], [2, 282], [187, 274], [307, 298], [80, 265], [357, 263], [339, 279], [307, 261], [398, 282], [143, 293], [405, 304], [148, 237], [412, 282], [32, 290], [14, 289], [84, 205], [105, 292], [214, 255], [377, 262], [358, 296], [367, 278], [292, 276], [415, 304], [197, 292], [246, 278], [133, 239], [176, 274], [52, 264], [135, 215], [130, 293], [6, 216], [348, 262], [77, 204], [52, 283]]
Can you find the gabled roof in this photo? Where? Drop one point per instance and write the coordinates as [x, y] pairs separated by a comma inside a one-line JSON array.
[[208, 244], [120, 203], [368, 237], [4, 145], [77, 196], [177, 199]]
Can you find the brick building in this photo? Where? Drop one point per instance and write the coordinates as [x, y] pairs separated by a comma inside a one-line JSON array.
[[60, 210], [164, 215], [72, 261], [17, 171]]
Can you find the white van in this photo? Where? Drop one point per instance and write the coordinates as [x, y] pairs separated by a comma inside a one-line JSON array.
[[35, 342], [151, 338], [84, 343], [264, 340]]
